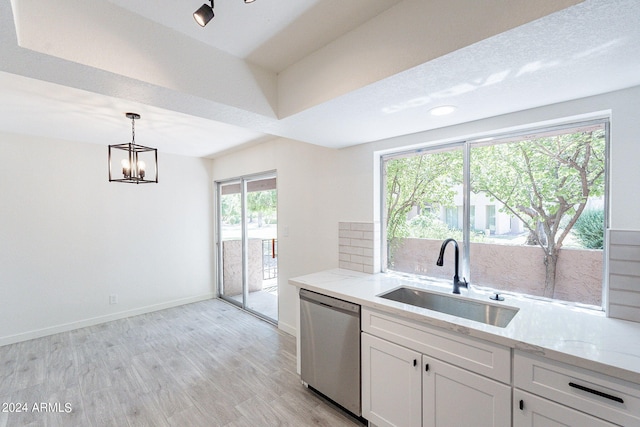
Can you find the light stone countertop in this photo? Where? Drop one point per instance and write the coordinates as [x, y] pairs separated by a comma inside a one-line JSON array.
[[577, 336]]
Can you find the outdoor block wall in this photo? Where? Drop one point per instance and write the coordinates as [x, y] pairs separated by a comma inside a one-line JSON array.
[[505, 267], [232, 266], [359, 246]]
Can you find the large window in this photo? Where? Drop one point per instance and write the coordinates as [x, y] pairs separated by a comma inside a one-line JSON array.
[[528, 210]]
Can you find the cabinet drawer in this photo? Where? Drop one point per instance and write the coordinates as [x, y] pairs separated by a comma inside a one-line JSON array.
[[600, 395], [485, 358], [533, 411]]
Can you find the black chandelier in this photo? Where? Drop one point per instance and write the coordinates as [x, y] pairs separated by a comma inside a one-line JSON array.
[[204, 14], [132, 159]]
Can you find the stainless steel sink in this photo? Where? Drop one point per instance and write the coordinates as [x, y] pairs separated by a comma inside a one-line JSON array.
[[478, 311]]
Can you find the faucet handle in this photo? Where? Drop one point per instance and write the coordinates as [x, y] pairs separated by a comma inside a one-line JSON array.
[[464, 283]]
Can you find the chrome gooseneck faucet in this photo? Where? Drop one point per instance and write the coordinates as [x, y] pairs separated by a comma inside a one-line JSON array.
[[456, 279]]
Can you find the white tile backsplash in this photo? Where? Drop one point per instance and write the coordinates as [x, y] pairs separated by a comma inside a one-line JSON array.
[[359, 246], [624, 274]]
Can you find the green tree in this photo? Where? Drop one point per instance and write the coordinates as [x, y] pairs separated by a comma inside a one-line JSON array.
[[230, 208], [428, 225], [424, 183], [543, 182], [261, 203], [419, 181]]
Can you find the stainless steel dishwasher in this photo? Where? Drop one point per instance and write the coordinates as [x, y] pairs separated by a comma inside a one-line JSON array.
[[330, 348]]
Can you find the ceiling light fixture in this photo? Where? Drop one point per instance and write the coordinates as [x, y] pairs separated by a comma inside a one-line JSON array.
[[443, 110], [132, 158], [204, 14]]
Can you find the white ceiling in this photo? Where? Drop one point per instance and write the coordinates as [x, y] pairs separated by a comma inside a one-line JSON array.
[[327, 72], [271, 35]]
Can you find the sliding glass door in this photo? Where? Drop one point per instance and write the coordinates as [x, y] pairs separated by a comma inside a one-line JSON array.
[[248, 245], [230, 225]]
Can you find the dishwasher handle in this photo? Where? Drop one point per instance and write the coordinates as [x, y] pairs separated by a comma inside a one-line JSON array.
[[330, 302]]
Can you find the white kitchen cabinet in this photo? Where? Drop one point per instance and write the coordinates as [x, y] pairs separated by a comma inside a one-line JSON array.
[[532, 411], [391, 383], [453, 397], [399, 390], [576, 392], [469, 382], [475, 355]]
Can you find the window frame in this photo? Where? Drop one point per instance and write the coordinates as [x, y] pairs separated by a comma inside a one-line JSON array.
[[466, 144]]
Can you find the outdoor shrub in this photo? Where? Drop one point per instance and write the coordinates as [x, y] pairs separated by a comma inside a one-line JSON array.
[[589, 229], [429, 226]]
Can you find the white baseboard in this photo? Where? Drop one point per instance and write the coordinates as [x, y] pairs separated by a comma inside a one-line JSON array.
[[285, 327], [51, 330]]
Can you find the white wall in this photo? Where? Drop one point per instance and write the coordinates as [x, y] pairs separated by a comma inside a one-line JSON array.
[[69, 238], [307, 213]]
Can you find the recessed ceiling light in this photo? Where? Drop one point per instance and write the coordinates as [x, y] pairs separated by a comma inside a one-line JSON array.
[[443, 110]]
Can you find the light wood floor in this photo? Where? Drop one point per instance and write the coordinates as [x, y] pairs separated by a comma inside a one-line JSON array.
[[202, 364]]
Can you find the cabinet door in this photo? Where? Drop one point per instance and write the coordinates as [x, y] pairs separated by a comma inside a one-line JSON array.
[[454, 397], [391, 383], [533, 411]]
